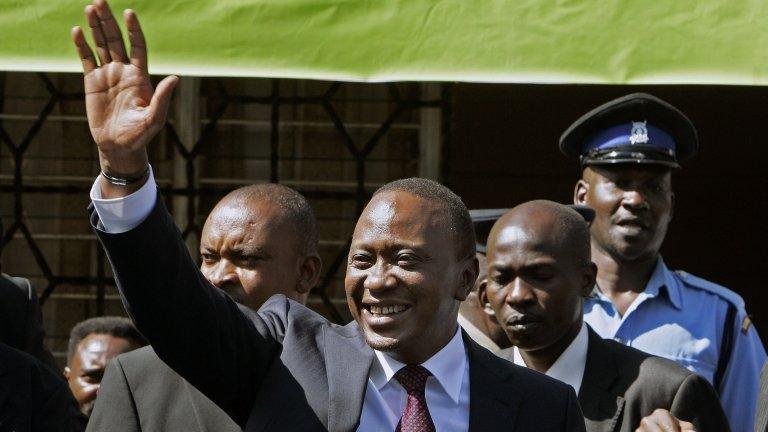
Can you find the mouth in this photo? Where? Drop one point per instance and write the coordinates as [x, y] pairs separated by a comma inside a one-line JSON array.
[[522, 323], [384, 310]]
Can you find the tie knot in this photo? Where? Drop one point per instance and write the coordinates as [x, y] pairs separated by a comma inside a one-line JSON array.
[[413, 378]]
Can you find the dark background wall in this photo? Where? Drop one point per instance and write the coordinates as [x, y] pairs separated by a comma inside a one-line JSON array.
[[503, 151]]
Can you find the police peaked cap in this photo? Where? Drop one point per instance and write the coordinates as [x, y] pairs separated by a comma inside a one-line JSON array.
[[637, 128]]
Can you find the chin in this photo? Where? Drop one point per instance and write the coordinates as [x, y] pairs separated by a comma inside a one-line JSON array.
[[381, 343]]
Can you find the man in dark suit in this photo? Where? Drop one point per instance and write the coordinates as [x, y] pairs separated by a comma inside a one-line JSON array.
[[21, 324], [247, 259], [403, 364], [539, 271], [32, 397]]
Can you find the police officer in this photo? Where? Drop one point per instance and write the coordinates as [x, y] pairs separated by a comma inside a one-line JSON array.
[[628, 149]]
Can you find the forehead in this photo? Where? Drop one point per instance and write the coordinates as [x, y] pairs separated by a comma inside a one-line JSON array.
[[98, 346], [517, 241], [241, 219], [401, 216]]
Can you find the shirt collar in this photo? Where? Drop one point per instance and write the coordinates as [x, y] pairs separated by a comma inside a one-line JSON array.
[[447, 367], [569, 367], [662, 277]]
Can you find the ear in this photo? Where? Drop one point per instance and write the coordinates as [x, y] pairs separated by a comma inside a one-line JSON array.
[[469, 271], [67, 371], [482, 297], [309, 273], [590, 276], [580, 192]]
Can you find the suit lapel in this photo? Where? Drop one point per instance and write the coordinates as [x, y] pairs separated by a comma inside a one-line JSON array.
[[348, 361], [493, 401], [600, 405]]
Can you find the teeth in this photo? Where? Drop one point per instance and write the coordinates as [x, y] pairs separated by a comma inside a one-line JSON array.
[[387, 310]]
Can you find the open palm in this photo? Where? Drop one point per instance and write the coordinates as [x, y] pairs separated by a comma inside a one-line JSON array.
[[124, 111]]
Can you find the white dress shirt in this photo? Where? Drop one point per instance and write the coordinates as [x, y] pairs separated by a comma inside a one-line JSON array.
[[446, 391], [569, 367]]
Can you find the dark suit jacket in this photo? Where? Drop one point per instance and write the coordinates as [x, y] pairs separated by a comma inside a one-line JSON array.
[[141, 393], [761, 419], [621, 385], [32, 397], [285, 367], [21, 324]]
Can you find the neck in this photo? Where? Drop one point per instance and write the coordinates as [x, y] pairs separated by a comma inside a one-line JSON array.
[[425, 348], [542, 359], [616, 276]]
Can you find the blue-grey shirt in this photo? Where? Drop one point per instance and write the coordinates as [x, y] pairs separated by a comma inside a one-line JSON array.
[[681, 317]]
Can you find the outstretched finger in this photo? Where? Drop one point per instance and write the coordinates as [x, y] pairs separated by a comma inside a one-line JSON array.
[[111, 31], [136, 38], [98, 35], [161, 100], [83, 50]]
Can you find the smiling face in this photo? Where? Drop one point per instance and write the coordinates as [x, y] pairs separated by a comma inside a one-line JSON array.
[[537, 277], [250, 251], [404, 280], [88, 363], [633, 208]]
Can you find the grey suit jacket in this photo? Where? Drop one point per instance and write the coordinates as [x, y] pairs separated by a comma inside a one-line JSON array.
[[621, 385], [141, 393], [285, 367], [761, 419]]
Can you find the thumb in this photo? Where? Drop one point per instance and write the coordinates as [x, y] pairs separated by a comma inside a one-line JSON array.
[[161, 100]]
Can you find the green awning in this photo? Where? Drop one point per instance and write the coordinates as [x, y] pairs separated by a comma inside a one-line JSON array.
[[531, 41]]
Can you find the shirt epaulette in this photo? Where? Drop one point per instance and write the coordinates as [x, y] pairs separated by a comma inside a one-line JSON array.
[[719, 290]]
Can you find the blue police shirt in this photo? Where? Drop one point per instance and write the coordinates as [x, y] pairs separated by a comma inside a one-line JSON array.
[[681, 317]]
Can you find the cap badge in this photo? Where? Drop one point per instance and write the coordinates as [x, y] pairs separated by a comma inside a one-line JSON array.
[[639, 133]]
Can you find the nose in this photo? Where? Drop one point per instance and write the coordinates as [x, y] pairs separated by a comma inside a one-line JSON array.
[[519, 293], [379, 277], [634, 199], [222, 274]]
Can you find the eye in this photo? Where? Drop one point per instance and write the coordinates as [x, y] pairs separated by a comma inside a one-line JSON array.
[[249, 260], [406, 259], [209, 258], [361, 260]]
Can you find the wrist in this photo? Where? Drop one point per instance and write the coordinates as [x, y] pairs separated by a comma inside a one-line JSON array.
[[129, 165]]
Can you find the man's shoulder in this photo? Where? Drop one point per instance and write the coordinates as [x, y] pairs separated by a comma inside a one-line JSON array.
[[702, 285], [143, 367], [643, 372]]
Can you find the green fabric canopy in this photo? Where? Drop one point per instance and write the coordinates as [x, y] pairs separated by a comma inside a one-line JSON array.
[[531, 41]]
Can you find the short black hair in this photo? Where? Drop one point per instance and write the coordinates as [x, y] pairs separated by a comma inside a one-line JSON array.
[[111, 325], [293, 204], [459, 221]]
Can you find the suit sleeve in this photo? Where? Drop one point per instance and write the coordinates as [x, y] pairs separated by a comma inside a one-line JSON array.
[[115, 409], [574, 419], [195, 328], [697, 402]]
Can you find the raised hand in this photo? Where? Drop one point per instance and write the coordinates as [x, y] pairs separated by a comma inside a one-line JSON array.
[[124, 111], [662, 420]]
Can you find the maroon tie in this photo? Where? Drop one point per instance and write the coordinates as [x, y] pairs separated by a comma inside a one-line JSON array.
[[416, 416]]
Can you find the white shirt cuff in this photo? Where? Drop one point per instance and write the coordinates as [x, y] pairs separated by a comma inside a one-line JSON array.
[[119, 215]]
